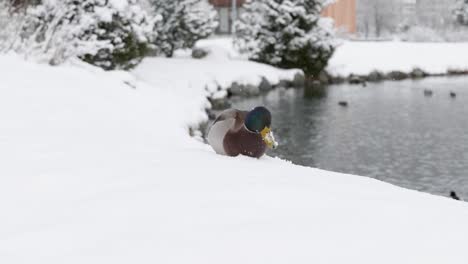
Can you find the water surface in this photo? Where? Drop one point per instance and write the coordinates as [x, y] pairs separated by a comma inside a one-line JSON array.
[[390, 131]]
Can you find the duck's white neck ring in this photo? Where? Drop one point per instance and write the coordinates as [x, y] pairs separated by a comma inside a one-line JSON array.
[[250, 131]]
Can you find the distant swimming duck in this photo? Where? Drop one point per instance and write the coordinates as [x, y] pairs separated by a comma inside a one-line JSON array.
[[236, 132], [453, 94], [454, 195], [428, 92], [343, 103]]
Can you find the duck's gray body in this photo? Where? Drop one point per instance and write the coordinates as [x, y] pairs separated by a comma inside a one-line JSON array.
[[229, 136]]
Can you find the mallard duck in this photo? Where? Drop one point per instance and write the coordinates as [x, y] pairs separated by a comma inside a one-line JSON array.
[[236, 132]]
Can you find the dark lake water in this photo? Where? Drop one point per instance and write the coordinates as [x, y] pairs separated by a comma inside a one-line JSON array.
[[390, 131]]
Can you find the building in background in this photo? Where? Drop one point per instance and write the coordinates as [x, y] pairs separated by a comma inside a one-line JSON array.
[[225, 13], [344, 14], [342, 11]]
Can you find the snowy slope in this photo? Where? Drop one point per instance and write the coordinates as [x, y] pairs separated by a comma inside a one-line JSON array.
[[94, 171]]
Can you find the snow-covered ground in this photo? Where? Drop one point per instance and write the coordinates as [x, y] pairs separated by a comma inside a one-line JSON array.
[[99, 168], [362, 58]]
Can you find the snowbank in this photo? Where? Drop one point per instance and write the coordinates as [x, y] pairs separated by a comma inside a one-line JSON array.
[[361, 58], [99, 168], [194, 80]]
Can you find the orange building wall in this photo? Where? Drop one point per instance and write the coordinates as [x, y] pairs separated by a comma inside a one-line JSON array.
[[344, 14]]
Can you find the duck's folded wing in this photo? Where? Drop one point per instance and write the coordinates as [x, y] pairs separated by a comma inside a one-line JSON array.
[[231, 119]]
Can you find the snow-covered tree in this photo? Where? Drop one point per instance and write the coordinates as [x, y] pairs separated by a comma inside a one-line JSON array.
[[287, 34], [127, 28], [107, 33], [10, 24], [460, 12], [184, 23], [21, 3]]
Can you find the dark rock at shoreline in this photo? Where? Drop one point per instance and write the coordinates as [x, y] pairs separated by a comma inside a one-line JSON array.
[[221, 103], [265, 85], [243, 89], [376, 76], [198, 53], [324, 77], [418, 73], [397, 75], [355, 79], [299, 80], [285, 84], [229, 93], [236, 89], [252, 90], [211, 115]]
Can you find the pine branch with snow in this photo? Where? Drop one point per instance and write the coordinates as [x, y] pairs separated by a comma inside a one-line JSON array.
[[286, 33]]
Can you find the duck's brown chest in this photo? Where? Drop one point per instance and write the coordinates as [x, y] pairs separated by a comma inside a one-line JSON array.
[[245, 143]]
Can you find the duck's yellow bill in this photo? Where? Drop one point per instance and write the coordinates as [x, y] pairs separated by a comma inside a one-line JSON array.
[[268, 137]]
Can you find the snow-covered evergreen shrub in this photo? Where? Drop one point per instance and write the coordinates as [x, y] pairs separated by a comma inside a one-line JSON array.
[[128, 29], [286, 33], [11, 21], [107, 33], [460, 12], [184, 22]]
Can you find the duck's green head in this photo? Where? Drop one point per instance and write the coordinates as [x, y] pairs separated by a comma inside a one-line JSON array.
[[259, 121]]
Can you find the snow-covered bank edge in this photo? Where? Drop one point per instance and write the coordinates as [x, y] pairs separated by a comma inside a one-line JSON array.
[[359, 62], [211, 82], [378, 76]]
